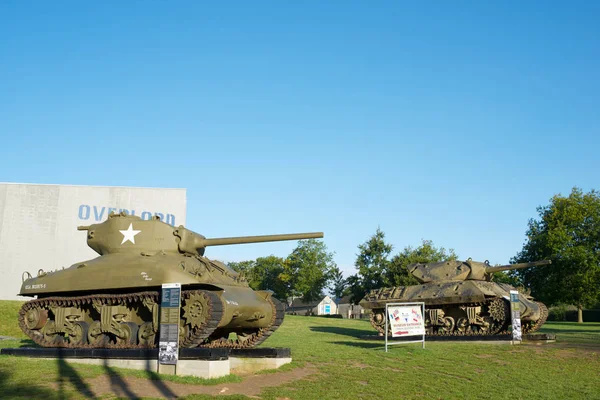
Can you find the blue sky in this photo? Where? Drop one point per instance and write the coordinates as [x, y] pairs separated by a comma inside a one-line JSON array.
[[450, 122]]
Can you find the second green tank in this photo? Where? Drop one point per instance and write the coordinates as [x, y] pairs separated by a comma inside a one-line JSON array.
[[460, 299]]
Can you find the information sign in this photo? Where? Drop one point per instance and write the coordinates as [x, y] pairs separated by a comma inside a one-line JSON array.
[[168, 344], [405, 320], [515, 313]]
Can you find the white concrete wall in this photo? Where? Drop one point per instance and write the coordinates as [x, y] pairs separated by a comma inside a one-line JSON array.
[[38, 223]]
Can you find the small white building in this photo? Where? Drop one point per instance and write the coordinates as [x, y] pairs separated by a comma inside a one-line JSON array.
[[325, 306]]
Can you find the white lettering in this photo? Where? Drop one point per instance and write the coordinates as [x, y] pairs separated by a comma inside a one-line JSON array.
[[38, 286]]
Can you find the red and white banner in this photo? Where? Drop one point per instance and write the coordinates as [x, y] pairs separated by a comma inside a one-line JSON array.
[[406, 320]]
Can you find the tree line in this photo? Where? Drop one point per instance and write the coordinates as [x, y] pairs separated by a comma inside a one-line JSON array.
[[566, 231], [305, 272]]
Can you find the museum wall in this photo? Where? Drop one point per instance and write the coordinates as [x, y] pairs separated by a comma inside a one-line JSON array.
[[38, 223]]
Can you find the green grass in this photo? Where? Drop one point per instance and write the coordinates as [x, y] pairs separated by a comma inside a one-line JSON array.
[[573, 333], [9, 314], [346, 367]]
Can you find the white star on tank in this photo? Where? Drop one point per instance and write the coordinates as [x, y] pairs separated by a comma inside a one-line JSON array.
[[129, 234]]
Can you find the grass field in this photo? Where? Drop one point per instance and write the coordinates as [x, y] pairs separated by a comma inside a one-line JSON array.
[[333, 363]]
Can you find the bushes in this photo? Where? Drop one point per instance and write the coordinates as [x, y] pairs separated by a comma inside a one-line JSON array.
[[559, 312], [588, 316], [310, 314], [331, 316], [563, 312]]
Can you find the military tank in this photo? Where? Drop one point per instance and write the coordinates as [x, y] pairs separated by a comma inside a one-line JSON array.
[[460, 299], [113, 300]]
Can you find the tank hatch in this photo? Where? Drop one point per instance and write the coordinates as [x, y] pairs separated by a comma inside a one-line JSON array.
[[442, 271]]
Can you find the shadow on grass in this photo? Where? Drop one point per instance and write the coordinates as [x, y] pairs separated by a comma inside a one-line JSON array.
[[66, 373], [28, 343], [352, 332], [9, 390], [574, 335], [117, 384], [571, 328], [155, 378], [362, 345]]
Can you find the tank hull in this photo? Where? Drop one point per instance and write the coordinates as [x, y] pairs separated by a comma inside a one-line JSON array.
[[117, 298], [113, 300], [468, 307]]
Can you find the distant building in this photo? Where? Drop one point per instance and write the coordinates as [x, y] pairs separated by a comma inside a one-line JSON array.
[[325, 306], [349, 310], [38, 223]]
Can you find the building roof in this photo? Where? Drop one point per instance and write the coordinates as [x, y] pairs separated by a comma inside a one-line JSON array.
[[94, 186], [343, 300], [299, 303]]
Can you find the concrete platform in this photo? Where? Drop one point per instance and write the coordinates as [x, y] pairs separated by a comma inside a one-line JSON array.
[[247, 361], [200, 362], [539, 338]]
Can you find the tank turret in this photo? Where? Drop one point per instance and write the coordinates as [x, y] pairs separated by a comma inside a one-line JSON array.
[[460, 298], [113, 299], [463, 270], [123, 233]]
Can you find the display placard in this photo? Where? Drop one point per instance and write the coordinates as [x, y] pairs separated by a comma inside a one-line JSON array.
[[515, 313], [168, 344], [405, 320]]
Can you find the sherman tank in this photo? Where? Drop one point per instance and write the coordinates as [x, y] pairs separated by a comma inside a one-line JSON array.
[[113, 300], [460, 299]]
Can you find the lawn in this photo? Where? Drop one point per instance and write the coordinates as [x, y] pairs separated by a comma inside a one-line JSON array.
[[339, 365]]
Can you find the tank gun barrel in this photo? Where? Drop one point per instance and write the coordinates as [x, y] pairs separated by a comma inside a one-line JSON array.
[[193, 243], [509, 267], [258, 239]]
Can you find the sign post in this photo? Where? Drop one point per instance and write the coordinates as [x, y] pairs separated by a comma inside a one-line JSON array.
[[405, 319], [168, 344], [515, 314]]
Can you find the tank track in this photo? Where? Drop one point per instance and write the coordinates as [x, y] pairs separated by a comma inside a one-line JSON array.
[[43, 304], [538, 324], [258, 337], [278, 314], [198, 336], [501, 327]]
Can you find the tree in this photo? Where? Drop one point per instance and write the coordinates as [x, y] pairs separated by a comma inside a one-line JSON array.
[[242, 267], [375, 270], [355, 288], [568, 233], [398, 274], [372, 264], [266, 273], [309, 269], [372, 261], [338, 283], [269, 274]]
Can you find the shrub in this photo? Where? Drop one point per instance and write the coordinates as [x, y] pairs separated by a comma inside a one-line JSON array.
[[559, 312], [564, 312]]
